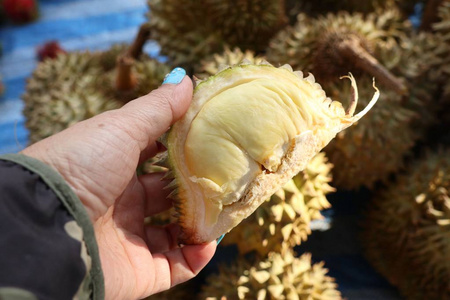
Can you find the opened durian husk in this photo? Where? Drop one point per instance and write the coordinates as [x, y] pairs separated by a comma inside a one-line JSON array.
[[248, 131]]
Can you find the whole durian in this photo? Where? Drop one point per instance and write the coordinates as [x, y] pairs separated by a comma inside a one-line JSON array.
[[79, 85], [407, 231], [189, 31], [61, 92], [283, 221], [247, 24], [333, 45], [441, 66], [376, 148], [371, 46], [315, 8], [277, 277], [249, 130]]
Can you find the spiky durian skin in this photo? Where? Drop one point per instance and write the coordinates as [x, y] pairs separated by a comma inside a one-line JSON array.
[[441, 67], [176, 26], [276, 277], [283, 221], [304, 46], [376, 148], [247, 24], [407, 231], [314, 8], [186, 40], [61, 92], [216, 62], [76, 86]]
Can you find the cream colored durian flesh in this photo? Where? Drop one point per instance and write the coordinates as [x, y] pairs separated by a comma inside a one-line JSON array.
[[249, 129]]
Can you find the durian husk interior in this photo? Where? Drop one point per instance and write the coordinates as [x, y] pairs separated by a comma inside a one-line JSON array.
[[232, 150]]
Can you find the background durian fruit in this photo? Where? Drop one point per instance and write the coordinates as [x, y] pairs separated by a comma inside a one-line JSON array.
[[248, 24], [189, 31], [79, 85], [370, 47], [440, 68], [276, 277], [315, 8], [213, 64], [283, 221], [407, 231]]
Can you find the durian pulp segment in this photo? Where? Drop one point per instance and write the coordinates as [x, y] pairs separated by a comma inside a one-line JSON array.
[[242, 131]]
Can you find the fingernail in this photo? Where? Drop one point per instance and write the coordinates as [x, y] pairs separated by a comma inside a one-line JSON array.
[[220, 239], [175, 76]]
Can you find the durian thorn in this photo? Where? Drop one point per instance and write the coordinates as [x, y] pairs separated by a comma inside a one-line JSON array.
[[163, 162], [195, 81], [168, 175], [173, 195], [135, 49], [430, 15], [125, 79], [172, 185], [352, 49]]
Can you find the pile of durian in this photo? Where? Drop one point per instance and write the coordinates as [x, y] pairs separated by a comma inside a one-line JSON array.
[[246, 51]]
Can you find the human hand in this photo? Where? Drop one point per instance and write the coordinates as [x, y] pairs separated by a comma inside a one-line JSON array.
[[98, 158]]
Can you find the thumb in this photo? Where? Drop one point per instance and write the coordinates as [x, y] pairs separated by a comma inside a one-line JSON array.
[[151, 115]]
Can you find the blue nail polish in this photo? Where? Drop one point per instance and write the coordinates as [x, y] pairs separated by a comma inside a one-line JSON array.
[[175, 76], [220, 239]]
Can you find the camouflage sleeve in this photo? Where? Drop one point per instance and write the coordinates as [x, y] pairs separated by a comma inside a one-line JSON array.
[[47, 242]]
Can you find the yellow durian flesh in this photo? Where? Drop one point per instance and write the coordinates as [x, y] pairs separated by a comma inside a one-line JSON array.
[[249, 129]]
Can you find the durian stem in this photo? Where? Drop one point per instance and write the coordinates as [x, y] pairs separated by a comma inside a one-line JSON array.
[[352, 49], [430, 15], [125, 79], [135, 50]]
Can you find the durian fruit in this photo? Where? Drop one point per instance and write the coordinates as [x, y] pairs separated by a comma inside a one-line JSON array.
[[283, 220], [217, 62], [189, 31], [315, 8], [61, 92], [333, 45], [442, 64], [371, 46], [249, 130], [407, 230], [375, 148], [182, 31], [78, 85], [277, 277], [248, 24]]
